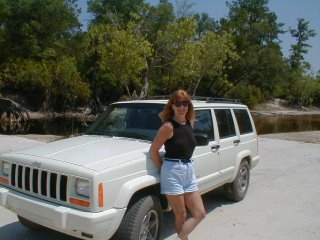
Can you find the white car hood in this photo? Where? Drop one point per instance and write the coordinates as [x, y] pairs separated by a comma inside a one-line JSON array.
[[93, 152]]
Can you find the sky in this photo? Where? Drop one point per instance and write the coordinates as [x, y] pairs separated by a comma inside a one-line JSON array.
[[287, 11]]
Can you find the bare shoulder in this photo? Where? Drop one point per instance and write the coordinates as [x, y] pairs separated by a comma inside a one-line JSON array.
[[166, 130], [167, 126]]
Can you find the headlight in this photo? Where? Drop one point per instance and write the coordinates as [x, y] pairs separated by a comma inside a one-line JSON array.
[[83, 187], [5, 168]]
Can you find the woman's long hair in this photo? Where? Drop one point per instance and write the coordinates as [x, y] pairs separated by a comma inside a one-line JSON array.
[[168, 113]]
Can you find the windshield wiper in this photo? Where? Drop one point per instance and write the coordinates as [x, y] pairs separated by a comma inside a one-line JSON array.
[[133, 135], [99, 133]]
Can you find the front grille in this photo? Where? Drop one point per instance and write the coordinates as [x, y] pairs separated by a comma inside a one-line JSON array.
[[40, 182]]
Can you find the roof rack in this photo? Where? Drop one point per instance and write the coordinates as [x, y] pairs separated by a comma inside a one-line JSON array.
[[201, 98], [216, 100], [164, 97]]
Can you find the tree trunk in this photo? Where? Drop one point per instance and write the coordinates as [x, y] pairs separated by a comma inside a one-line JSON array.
[[144, 90], [12, 111], [197, 85]]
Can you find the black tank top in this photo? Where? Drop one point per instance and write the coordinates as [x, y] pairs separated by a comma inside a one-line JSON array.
[[182, 144]]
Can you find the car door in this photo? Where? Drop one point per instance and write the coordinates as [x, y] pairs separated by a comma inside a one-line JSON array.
[[228, 141], [206, 158]]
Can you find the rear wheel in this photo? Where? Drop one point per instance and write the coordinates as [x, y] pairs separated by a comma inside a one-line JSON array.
[[29, 224], [142, 220], [237, 190]]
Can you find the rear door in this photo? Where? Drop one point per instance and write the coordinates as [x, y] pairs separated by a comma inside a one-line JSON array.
[[228, 141], [248, 135]]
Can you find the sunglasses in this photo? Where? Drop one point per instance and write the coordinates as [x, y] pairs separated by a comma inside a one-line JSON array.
[[181, 103]]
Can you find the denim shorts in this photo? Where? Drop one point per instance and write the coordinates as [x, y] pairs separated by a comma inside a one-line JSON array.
[[177, 178]]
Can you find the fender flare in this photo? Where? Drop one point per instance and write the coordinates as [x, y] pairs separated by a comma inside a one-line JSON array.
[[240, 157], [128, 189]]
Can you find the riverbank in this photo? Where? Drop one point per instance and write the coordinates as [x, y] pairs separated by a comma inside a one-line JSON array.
[[83, 115], [280, 107], [274, 107]]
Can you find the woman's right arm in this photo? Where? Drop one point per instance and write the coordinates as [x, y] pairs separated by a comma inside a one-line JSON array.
[[164, 133]]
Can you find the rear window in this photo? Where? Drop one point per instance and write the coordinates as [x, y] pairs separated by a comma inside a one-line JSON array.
[[225, 123], [243, 121]]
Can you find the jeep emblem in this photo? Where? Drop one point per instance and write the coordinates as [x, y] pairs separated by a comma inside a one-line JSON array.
[[36, 164]]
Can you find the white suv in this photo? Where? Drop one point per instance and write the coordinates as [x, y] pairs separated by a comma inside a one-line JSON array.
[[103, 184]]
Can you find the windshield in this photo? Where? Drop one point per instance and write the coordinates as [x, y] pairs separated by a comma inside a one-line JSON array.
[[132, 120]]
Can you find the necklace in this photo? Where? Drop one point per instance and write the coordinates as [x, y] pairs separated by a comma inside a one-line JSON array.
[[180, 122]]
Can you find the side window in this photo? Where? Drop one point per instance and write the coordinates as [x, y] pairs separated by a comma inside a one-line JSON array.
[[204, 124], [243, 121], [225, 123]]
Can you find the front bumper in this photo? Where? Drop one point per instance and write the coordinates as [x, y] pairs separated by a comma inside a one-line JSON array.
[[81, 224]]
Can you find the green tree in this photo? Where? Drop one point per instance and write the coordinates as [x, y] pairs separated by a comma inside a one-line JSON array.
[[122, 54], [302, 34], [118, 12], [205, 24], [298, 79], [56, 84], [36, 28], [204, 58], [317, 93], [173, 39], [36, 37], [255, 32]]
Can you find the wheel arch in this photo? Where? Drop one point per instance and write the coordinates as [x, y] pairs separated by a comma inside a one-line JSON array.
[[137, 188], [242, 156]]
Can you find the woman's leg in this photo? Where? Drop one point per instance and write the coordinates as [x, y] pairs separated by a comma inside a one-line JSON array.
[[194, 204], [177, 204]]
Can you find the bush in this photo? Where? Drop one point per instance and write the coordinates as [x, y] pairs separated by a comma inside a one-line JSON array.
[[248, 94]]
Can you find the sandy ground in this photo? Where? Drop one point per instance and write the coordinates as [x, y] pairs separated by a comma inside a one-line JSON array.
[[307, 137], [282, 201]]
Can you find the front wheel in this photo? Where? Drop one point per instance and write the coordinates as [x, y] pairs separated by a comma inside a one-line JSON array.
[[142, 220], [237, 190]]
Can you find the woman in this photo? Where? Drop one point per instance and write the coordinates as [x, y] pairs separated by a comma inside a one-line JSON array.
[[178, 180]]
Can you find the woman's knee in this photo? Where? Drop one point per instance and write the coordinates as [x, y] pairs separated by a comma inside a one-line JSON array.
[[200, 215], [181, 215]]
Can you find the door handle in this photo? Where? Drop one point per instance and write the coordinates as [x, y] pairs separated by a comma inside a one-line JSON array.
[[215, 147], [236, 142]]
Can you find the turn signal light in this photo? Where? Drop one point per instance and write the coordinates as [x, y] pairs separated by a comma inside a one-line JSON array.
[[100, 195], [4, 180], [79, 202]]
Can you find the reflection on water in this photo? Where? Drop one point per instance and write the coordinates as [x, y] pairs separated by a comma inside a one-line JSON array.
[[67, 127], [14, 127], [55, 126], [285, 123]]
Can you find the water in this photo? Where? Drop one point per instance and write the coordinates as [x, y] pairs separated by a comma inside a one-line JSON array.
[[286, 123], [67, 127], [54, 126]]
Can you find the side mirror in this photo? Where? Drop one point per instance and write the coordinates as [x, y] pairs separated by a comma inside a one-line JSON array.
[[202, 139]]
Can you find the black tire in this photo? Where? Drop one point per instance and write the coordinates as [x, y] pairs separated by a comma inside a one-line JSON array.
[[236, 191], [29, 224], [142, 220]]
